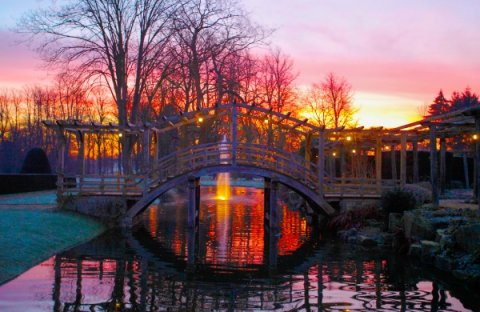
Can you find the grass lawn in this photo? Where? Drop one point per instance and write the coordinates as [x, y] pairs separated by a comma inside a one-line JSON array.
[[30, 236]]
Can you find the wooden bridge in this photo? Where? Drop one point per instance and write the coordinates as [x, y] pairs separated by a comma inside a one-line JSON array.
[[141, 162]]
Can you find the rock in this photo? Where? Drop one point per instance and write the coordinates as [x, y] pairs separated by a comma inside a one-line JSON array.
[[443, 262], [445, 239], [366, 241], [415, 251], [394, 221], [471, 275], [467, 237], [417, 227], [387, 239], [429, 250]]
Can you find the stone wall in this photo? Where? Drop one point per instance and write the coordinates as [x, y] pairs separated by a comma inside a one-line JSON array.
[[107, 209]]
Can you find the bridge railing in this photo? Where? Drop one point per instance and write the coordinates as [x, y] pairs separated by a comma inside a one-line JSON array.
[[218, 154], [252, 155], [131, 185]]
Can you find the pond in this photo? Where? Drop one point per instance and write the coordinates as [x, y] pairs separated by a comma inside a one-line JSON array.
[[232, 263]]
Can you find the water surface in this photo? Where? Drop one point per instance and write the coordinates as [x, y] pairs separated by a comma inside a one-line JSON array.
[[231, 264]]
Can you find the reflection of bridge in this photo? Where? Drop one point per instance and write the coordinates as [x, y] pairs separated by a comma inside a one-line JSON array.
[[141, 162], [135, 281]]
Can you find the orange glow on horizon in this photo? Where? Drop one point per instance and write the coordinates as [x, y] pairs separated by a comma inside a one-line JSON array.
[[379, 110]]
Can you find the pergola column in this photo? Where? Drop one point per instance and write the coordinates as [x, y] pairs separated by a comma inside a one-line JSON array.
[[321, 161], [477, 160], [378, 163], [146, 158], [61, 143], [157, 146], [394, 164], [433, 166], [81, 156], [403, 159], [234, 133], [308, 149], [443, 164], [416, 178]]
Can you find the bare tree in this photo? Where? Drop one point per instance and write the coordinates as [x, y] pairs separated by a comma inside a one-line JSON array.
[[331, 102], [277, 77], [208, 34], [120, 41]]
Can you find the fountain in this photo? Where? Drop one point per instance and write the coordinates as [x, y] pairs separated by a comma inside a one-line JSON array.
[[223, 178]]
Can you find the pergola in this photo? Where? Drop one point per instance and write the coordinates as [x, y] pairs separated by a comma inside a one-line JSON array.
[[331, 144]]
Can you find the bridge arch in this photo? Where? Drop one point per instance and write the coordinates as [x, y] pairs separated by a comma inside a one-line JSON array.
[[307, 192]]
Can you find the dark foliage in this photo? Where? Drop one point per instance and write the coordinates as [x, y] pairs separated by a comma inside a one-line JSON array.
[[8, 154], [36, 161], [397, 200], [354, 218]]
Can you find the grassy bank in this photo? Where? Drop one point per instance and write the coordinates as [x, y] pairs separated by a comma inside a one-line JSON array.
[[29, 236]]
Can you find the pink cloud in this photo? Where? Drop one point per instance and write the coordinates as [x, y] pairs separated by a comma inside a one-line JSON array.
[[19, 65]]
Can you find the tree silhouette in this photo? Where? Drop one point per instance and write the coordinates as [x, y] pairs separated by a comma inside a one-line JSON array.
[[440, 105]]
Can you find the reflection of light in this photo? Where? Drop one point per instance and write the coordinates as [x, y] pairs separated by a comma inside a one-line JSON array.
[[223, 186]]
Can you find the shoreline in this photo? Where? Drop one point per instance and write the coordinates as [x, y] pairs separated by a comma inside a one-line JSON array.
[[32, 232]]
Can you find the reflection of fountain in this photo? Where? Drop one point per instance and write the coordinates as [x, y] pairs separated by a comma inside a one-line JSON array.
[[222, 206], [223, 178]]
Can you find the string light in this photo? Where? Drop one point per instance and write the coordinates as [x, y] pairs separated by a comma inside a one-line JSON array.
[[200, 119], [349, 138]]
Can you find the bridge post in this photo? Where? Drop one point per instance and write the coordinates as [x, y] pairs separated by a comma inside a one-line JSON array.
[[270, 205], [433, 166], [193, 221], [403, 159], [270, 251], [193, 202]]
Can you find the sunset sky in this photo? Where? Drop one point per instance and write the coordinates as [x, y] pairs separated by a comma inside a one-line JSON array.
[[396, 54]]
